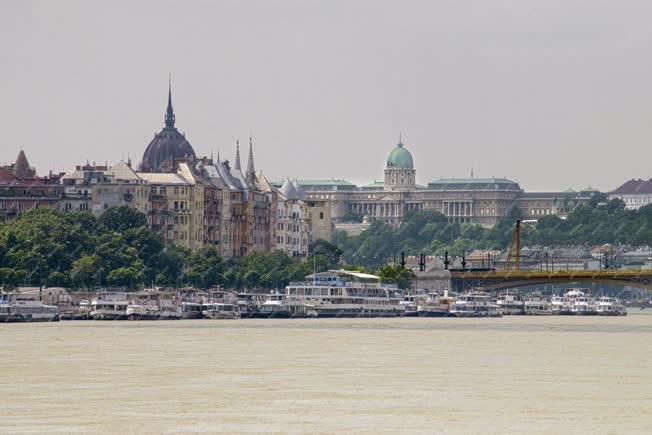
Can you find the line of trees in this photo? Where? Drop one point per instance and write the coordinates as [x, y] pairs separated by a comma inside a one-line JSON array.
[[430, 233], [47, 247]]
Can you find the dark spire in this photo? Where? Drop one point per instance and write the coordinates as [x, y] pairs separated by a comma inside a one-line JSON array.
[[169, 114], [251, 172], [237, 154]]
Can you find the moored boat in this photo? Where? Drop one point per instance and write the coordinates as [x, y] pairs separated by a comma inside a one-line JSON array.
[[537, 305], [22, 308], [608, 306], [509, 302], [220, 311], [343, 293], [435, 305], [109, 306], [476, 303]]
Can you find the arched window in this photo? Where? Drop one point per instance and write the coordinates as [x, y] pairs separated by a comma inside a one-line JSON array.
[[321, 215]]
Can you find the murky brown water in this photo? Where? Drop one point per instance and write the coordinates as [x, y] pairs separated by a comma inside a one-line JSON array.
[[528, 374]]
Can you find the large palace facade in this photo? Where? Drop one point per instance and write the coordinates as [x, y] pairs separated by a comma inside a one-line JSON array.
[[465, 200]]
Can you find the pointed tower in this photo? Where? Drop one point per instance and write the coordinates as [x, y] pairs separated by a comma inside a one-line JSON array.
[[251, 170], [169, 113], [237, 155], [22, 170]]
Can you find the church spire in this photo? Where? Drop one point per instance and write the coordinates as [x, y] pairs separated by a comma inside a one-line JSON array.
[[237, 154], [169, 114], [251, 171]]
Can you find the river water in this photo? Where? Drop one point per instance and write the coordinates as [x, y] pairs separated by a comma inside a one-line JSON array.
[[527, 374]]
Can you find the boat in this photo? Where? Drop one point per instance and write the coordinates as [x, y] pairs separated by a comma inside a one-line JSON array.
[[581, 303], [344, 293], [191, 310], [277, 306], [510, 302], [16, 307], [168, 309], [608, 306], [143, 306], [109, 306], [476, 303], [435, 305], [560, 306], [79, 311], [220, 310], [537, 305]]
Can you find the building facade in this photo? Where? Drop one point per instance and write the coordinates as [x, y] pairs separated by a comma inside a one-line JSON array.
[[464, 200], [634, 193]]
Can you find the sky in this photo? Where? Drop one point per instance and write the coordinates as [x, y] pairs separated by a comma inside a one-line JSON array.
[[552, 94]]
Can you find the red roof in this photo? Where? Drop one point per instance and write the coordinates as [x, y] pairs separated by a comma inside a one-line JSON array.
[[6, 177], [633, 186]]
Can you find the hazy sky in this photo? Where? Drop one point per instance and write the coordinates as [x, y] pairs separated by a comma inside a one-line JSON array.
[[551, 94]]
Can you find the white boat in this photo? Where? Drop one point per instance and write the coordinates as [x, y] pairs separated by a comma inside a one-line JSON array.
[[560, 306], [109, 306], [143, 306], [15, 307], [607, 306], [168, 309], [343, 293], [537, 305], [191, 310], [476, 303], [435, 305], [220, 310], [581, 303], [510, 302], [278, 306]]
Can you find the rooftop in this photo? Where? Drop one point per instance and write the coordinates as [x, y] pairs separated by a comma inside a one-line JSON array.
[[473, 183], [633, 186]]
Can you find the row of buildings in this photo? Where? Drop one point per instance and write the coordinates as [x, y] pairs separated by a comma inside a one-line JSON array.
[[195, 201], [192, 202]]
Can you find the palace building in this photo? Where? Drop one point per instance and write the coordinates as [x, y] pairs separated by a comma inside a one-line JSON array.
[[465, 200]]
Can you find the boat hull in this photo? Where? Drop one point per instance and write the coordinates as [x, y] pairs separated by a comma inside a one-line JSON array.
[[431, 313]]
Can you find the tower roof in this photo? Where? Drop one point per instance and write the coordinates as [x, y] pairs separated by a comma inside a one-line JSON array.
[[400, 158], [168, 145], [22, 170]]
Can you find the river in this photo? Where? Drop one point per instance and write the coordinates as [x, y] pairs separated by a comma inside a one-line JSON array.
[[527, 374]]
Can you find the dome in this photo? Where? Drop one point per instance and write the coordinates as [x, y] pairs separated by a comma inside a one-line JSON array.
[[164, 149], [167, 146], [400, 157]]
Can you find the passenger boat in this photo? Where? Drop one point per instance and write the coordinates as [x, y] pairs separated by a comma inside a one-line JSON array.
[[25, 308], [560, 306], [143, 306], [220, 310], [343, 293], [435, 305], [476, 303], [581, 303], [607, 306], [168, 309], [277, 306], [537, 305], [510, 302], [191, 310], [109, 306]]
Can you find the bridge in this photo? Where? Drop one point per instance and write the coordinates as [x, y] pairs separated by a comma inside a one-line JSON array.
[[493, 280]]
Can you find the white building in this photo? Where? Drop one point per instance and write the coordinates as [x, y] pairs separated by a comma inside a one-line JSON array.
[[634, 193]]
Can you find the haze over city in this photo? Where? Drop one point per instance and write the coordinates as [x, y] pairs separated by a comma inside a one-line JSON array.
[[550, 94]]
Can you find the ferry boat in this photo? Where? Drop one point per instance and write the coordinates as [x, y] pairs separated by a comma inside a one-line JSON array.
[[143, 306], [581, 303], [537, 305], [168, 309], [343, 293], [109, 306], [608, 306], [435, 305], [26, 308], [191, 310], [476, 303], [277, 306], [220, 310], [510, 302], [560, 306]]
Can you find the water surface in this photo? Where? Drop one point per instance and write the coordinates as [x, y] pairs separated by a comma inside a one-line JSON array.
[[527, 374]]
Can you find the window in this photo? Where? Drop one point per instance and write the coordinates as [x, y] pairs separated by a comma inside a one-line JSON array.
[[321, 215]]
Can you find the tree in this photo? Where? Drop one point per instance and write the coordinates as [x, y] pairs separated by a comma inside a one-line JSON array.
[[398, 275], [331, 252], [123, 218], [84, 271]]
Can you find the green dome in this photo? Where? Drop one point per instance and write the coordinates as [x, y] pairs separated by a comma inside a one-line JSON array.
[[400, 158]]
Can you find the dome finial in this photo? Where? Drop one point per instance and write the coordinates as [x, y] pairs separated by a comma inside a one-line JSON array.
[[400, 139], [169, 114]]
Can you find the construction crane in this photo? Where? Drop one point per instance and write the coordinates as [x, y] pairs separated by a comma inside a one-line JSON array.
[[514, 252]]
